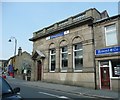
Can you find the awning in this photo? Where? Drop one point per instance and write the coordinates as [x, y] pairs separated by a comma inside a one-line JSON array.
[[38, 54]]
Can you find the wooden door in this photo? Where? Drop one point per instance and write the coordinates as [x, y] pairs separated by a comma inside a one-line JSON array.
[[105, 78], [39, 70]]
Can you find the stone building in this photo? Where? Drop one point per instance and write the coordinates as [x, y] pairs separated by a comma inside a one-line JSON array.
[[107, 56], [3, 64], [64, 52], [21, 62]]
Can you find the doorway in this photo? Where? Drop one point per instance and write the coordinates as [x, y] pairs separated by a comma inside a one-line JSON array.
[[105, 77], [39, 70]]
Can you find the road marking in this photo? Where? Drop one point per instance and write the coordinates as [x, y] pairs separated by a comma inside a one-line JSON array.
[[63, 97], [54, 95]]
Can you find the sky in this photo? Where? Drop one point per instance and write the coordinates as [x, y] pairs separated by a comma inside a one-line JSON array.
[[21, 19]]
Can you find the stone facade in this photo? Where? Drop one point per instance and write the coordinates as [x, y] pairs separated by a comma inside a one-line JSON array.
[[3, 63], [20, 62], [57, 44], [108, 56]]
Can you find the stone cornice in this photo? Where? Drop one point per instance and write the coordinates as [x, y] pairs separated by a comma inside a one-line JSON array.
[[44, 33]]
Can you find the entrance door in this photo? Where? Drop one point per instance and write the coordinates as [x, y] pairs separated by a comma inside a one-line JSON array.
[[105, 78], [39, 71]]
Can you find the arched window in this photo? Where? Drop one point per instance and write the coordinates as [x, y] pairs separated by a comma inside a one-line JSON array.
[[52, 57], [77, 54], [63, 55]]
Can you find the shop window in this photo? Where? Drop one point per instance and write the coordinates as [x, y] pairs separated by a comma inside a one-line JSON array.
[[52, 59], [78, 56], [64, 58], [115, 68], [111, 34]]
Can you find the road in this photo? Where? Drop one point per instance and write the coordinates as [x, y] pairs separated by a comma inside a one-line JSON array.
[[28, 92]]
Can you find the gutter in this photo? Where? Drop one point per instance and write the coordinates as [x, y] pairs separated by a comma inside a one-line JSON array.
[[106, 19]]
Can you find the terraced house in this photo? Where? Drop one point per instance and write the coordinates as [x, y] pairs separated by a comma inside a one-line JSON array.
[[107, 54], [65, 51]]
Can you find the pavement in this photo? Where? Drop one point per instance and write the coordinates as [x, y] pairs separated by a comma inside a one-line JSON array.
[[101, 94]]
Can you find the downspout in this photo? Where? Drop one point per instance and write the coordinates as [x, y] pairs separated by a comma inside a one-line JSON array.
[[94, 57]]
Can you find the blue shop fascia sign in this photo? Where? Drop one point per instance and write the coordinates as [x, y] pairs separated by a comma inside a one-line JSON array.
[[108, 50], [57, 35]]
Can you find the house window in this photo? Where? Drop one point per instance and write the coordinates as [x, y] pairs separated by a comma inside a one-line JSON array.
[[111, 35], [52, 59], [78, 56], [115, 68], [64, 58]]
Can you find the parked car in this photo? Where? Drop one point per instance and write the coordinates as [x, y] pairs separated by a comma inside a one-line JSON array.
[[6, 91]]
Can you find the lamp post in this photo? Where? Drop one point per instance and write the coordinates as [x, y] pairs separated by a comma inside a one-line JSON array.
[[10, 40], [15, 40]]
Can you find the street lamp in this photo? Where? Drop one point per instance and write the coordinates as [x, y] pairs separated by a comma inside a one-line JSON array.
[[10, 40]]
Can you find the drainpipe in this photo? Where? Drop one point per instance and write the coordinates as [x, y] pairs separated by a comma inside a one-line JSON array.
[[94, 57]]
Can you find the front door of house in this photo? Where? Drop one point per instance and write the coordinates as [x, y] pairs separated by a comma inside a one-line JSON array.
[[105, 78], [39, 70]]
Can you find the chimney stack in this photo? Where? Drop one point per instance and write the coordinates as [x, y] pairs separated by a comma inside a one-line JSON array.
[[19, 51]]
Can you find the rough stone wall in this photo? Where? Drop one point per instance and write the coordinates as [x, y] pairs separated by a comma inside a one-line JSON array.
[[99, 33], [78, 79], [20, 62], [79, 34], [84, 35], [99, 36]]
